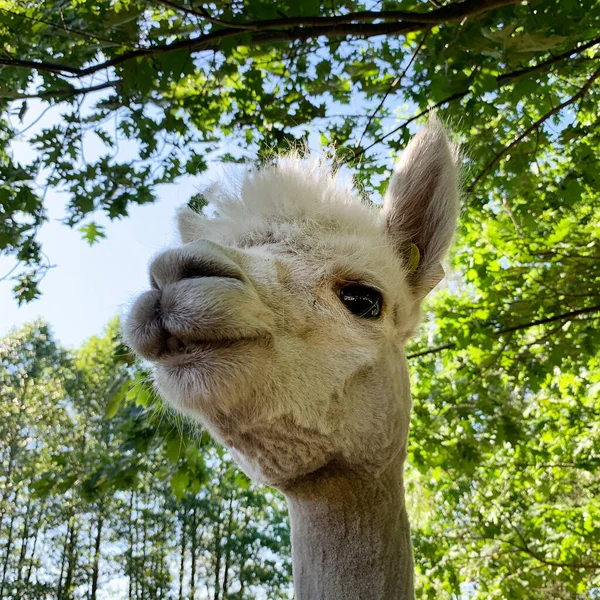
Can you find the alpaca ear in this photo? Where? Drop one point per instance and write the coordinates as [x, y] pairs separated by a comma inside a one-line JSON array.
[[421, 205], [189, 224]]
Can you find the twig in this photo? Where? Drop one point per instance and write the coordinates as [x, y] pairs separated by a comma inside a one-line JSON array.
[[551, 61], [184, 9], [551, 563], [503, 79], [201, 13], [569, 315], [507, 208], [66, 92], [404, 125], [15, 134], [533, 127], [11, 271], [394, 83], [63, 27]]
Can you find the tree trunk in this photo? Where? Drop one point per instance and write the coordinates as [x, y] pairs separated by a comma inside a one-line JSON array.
[[130, 549], [242, 580], [12, 454], [71, 561], [143, 565], [9, 542], [23, 552], [218, 556], [96, 559], [228, 548], [182, 560], [63, 562], [194, 534], [32, 555]]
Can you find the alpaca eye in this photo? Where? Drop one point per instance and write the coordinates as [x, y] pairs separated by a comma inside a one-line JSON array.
[[362, 301]]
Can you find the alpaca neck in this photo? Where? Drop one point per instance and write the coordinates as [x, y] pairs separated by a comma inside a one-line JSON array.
[[351, 537]]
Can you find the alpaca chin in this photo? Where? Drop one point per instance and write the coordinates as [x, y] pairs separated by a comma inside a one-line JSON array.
[[213, 380]]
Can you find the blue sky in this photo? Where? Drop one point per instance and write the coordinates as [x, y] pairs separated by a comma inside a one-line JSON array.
[[90, 285]]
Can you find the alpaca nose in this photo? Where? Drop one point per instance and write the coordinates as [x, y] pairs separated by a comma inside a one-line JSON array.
[[199, 259]]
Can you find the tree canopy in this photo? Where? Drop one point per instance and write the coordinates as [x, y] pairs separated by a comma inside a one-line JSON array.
[[505, 441], [177, 78]]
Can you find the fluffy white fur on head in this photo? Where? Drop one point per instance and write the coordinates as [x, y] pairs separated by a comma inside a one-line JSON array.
[[248, 326], [293, 189]]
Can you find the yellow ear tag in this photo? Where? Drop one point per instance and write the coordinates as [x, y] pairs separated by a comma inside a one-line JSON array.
[[414, 257]]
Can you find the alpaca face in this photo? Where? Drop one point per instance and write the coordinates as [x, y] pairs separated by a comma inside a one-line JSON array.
[[281, 324]]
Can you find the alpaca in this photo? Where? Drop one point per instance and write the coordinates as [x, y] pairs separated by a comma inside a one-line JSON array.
[[280, 324]]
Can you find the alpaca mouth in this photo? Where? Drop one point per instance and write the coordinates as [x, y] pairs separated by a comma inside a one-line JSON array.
[[175, 346]]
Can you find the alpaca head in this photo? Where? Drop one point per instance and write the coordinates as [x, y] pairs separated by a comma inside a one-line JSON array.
[[280, 323]]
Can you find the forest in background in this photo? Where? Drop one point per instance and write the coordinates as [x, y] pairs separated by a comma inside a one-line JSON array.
[[106, 502], [503, 471]]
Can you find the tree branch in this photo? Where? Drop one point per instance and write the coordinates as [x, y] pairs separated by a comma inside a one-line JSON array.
[[289, 29], [503, 79], [184, 9], [202, 13], [568, 315], [63, 93], [47, 67], [550, 61], [404, 125], [433, 350], [533, 127], [443, 14], [396, 81], [561, 317], [551, 563], [63, 28]]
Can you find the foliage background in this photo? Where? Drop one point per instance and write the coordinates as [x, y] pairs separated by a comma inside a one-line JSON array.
[[504, 459]]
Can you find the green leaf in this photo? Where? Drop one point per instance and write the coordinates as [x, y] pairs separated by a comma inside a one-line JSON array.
[[116, 400], [179, 482], [92, 233]]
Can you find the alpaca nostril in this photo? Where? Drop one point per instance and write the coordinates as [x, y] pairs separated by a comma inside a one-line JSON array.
[[174, 344], [208, 266], [177, 265]]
